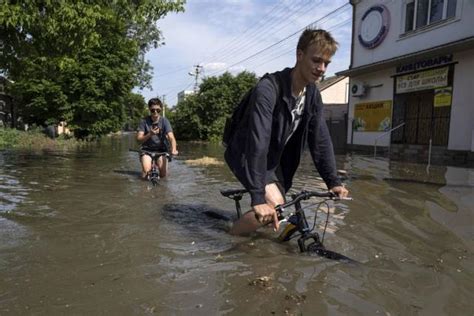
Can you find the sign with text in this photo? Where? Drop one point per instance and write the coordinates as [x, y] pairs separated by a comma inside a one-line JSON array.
[[426, 63], [443, 96], [423, 80], [373, 116]]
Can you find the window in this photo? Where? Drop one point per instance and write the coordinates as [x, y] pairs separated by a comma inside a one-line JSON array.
[[419, 13]]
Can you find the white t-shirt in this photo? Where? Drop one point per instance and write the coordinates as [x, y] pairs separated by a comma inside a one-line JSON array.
[[297, 112]]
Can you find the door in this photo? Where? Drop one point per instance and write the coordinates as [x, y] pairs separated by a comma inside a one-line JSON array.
[[422, 120]]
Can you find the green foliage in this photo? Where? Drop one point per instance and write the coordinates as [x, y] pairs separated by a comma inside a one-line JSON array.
[[79, 60], [34, 140], [203, 116], [8, 137], [186, 121], [136, 109]]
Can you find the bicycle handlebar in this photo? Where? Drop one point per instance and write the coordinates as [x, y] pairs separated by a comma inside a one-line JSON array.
[[306, 195], [153, 154]]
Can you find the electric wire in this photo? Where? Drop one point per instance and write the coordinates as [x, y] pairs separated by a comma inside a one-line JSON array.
[[283, 42]]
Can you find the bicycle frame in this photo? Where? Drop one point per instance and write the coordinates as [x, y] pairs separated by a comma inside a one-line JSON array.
[[154, 174], [298, 222], [308, 241]]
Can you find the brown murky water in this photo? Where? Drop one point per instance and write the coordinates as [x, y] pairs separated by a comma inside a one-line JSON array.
[[81, 234]]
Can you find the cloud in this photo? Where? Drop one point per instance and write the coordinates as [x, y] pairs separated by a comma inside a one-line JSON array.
[[224, 35]]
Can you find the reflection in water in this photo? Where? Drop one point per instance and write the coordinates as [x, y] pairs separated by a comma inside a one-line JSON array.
[[80, 233]]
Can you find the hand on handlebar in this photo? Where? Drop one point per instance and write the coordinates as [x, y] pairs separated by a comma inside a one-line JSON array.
[[265, 214], [340, 191]]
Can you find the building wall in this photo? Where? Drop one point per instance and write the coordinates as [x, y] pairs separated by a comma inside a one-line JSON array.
[[397, 43], [183, 94], [381, 79], [337, 93], [461, 129], [380, 88]]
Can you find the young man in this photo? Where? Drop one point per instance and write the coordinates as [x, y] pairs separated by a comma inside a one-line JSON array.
[[266, 148], [154, 132]]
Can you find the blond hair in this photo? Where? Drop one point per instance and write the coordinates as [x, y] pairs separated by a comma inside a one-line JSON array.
[[326, 43]]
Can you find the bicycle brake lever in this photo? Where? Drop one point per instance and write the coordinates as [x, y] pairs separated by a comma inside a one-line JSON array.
[[280, 211], [346, 198]]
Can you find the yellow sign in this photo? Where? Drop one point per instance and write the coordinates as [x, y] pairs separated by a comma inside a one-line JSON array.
[[443, 96], [373, 116], [423, 80]]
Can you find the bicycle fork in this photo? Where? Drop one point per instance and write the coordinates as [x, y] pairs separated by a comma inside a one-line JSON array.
[[154, 175], [305, 231]]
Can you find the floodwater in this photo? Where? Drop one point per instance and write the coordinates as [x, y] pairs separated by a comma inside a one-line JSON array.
[[80, 233]]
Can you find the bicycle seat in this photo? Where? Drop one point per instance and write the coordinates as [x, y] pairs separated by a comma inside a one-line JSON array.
[[232, 192]]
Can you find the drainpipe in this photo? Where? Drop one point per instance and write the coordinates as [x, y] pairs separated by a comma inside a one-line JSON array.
[[429, 156]]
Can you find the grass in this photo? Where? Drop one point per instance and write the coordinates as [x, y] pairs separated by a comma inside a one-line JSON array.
[[34, 140]]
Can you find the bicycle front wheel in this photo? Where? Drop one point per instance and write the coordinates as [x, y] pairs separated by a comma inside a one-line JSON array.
[[319, 250]]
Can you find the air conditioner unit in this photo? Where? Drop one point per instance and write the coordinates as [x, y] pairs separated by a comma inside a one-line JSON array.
[[358, 89]]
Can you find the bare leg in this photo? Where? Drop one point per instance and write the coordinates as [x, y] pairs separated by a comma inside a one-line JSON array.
[[163, 166], [146, 165], [248, 223]]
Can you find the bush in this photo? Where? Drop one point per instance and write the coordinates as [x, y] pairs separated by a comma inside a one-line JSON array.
[[34, 140]]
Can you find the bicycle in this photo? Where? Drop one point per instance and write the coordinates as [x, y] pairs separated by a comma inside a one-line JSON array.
[[309, 240], [154, 174]]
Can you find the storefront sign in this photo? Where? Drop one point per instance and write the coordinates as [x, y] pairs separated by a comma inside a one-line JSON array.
[[373, 116], [423, 80], [426, 63], [443, 96]]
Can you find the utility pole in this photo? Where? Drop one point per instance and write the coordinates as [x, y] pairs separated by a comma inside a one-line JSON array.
[[164, 104], [197, 72]]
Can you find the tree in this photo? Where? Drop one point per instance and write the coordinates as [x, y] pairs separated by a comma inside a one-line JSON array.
[[79, 60], [136, 109], [203, 116], [185, 119]]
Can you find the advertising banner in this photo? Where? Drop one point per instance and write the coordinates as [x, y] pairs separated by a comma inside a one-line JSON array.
[[373, 116], [423, 80], [443, 96]]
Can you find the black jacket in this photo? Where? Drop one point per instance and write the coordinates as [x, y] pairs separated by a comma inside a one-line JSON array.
[[258, 145]]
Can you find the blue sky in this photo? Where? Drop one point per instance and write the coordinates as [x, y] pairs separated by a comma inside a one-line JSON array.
[[235, 35]]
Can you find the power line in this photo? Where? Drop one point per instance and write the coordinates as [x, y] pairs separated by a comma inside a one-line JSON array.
[[287, 37], [288, 44], [282, 43], [274, 30], [238, 38], [233, 43]]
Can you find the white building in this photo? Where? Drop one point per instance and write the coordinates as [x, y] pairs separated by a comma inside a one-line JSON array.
[[183, 94], [412, 64], [334, 93]]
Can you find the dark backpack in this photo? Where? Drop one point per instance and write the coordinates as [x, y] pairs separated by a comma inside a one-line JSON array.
[[232, 122]]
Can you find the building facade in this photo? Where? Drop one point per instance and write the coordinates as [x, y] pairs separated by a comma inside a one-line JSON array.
[[334, 93], [411, 87], [183, 94]]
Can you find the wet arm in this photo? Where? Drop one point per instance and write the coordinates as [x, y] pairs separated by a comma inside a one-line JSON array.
[[173, 144], [142, 137]]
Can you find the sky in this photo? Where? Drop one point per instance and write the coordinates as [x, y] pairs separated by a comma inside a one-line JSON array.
[[259, 36]]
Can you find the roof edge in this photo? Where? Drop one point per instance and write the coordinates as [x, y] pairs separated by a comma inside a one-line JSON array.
[[465, 43]]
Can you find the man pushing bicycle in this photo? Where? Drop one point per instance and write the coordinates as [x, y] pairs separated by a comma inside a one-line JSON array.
[[283, 116], [156, 135]]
